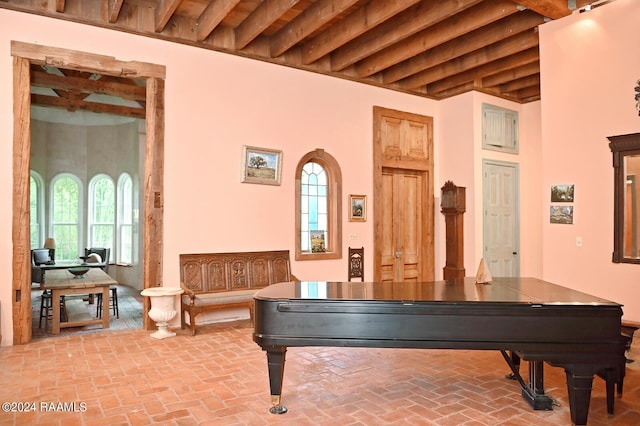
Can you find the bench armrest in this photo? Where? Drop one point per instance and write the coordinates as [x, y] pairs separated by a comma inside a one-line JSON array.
[[189, 292]]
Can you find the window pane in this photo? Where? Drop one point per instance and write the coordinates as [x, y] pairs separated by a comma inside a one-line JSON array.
[[66, 217], [313, 202], [102, 212], [34, 213]]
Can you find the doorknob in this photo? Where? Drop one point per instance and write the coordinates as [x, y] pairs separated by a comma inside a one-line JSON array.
[[398, 254]]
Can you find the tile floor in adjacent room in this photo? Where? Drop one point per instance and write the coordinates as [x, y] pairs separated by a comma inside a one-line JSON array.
[[219, 377]]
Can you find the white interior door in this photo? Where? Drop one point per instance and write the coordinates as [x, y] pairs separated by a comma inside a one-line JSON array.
[[501, 239]]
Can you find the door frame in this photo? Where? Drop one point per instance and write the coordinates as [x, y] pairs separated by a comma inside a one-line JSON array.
[[25, 54], [409, 164], [516, 195]]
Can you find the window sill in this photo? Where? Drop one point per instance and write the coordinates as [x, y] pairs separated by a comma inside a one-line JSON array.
[[318, 256]]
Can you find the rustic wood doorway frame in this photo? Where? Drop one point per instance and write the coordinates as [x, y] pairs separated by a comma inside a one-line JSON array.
[[25, 54]]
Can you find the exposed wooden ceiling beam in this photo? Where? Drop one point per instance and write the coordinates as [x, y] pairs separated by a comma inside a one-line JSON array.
[[554, 9], [456, 26], [40, 78], [306, 23], [356, 24], [164, 12], [490, 74], [214, 13], [77, 105], [260, 19], [526, 70], [504, 48], [474, 40], [407, 23]]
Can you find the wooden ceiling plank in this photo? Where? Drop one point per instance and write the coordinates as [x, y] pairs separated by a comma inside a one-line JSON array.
[[403, 25], [312, 18], [529, 57], [502, 49], [211, 17], [356, 24], [554, 9], [456, 26], [164, 12], [528, 94], [521, 83], [260, 19], [511, 74], [55, 102], [460, 46]]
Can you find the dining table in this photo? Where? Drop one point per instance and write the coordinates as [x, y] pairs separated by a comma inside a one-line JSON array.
[[61, 282]]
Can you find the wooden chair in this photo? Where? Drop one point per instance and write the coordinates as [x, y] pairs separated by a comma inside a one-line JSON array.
[[104, 254], [356, 263], [113, 303]]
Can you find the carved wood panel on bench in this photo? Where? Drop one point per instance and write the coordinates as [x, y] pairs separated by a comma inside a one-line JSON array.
[[214, 281]]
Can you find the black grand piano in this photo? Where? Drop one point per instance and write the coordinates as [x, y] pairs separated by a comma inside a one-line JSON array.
[[535, 320]]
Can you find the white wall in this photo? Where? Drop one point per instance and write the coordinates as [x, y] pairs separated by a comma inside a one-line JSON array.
[[590, 63]]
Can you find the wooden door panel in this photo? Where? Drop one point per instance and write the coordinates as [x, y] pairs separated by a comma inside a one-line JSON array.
[[417, 140], [411, 225], [403, 196]]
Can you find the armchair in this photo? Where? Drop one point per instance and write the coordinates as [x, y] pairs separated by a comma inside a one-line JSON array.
[[102, 252], [42, 256]]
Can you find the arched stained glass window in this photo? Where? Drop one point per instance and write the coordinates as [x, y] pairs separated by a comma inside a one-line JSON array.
[[318, 218]]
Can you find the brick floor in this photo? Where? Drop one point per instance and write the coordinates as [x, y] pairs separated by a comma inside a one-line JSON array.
[[219, 377]]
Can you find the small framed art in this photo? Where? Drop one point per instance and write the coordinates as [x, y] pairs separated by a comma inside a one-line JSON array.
[[358, 208], [261, 165]]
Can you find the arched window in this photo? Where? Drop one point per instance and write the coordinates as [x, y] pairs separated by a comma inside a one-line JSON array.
[[36, 209], [124, 237], [318, 207], [66, 225], [102, 211]]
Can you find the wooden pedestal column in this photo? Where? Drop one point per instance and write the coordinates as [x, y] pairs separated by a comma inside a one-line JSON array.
[[453, 207]]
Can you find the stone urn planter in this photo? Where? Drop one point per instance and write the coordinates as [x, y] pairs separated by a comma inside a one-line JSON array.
[[162, 308]]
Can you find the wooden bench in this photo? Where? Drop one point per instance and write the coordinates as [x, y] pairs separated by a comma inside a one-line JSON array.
[[215, 281]]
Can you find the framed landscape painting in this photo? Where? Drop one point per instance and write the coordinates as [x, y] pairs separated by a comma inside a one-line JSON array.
[[358, 210], [261, 165]]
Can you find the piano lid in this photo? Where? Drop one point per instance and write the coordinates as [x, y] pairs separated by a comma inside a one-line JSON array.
[[501, 290]]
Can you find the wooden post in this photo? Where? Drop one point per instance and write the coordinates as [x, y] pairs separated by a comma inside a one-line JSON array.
[[453, 207]]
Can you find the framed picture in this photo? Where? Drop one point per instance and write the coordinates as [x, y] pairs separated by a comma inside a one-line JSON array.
[[561, 214], [357, 208], [261, 165], [317, 241], [562, 193]]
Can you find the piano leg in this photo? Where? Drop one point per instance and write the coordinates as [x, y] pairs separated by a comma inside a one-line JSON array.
[[275, 361], [579, 383]]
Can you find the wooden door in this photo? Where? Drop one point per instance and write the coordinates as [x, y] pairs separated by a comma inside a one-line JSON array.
[[403, 198], [403, 221]]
